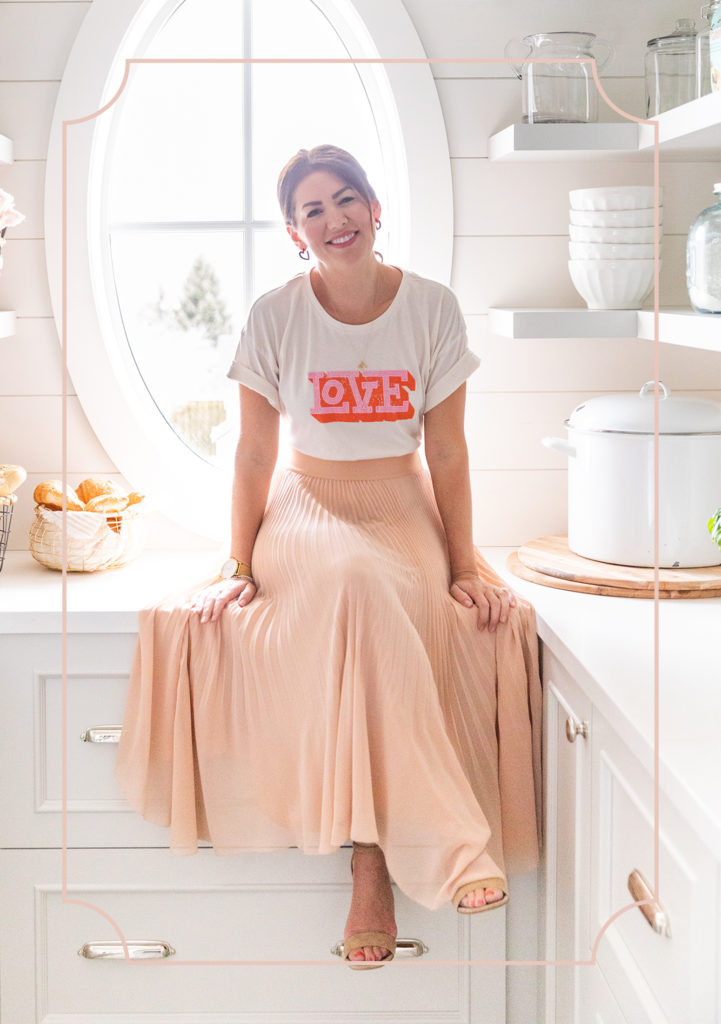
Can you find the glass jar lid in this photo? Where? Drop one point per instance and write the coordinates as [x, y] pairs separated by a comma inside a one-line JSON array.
[[709, 10], [634, 414], [684, 32]]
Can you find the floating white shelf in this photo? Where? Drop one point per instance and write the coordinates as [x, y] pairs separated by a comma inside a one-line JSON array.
[[6, 150], [7, 323], [676, 326], [565, 142], [690, 132], [683, 327], [563, 323]]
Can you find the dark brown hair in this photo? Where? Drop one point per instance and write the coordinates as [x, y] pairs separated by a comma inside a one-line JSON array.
[[321, 158]]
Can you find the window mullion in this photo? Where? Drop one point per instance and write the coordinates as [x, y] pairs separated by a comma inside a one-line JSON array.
[[247, 129]]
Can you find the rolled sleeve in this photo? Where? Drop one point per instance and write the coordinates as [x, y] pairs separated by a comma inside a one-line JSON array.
[[256, 362], [452, 362], [452, 379]]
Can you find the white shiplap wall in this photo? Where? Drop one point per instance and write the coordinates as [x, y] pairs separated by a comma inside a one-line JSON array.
[[510, 248]]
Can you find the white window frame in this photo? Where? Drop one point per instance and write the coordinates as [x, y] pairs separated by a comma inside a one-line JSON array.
[[120, 410]]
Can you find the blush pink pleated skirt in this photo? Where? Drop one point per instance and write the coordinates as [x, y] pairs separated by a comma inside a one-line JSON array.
[[353, 698]]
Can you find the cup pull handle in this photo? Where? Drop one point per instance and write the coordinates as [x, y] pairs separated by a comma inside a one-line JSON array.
[[137, 950], [575, 728], [102, 734], [404, 948], [653, 911]]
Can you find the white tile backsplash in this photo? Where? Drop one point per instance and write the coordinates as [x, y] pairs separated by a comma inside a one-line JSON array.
[[30, 427], [41, 36], [31, 361], [24, 279], [25, 180], [26, 111]]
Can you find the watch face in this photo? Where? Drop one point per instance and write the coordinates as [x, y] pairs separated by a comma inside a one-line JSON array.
[[229, 568]]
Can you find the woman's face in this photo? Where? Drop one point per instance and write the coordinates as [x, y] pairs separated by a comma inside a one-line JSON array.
[[333, 220]]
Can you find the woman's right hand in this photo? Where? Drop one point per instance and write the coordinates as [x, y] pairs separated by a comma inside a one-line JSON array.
[[210, 602]]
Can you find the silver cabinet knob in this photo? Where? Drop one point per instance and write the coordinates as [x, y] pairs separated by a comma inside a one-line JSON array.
[[137, 950], [404, 948], [575, 728], [102, 734], [652, 909]]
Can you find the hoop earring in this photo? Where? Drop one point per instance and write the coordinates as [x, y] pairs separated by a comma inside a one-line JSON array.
[[378, 224], [378, 255], [304, 254]]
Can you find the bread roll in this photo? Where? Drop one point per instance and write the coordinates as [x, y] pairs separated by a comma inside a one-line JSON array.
[[50, 494], [10, 479], [134, 498], [96, 485], [107, 503]]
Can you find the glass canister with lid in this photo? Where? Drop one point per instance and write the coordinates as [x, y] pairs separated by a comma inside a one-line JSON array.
[[708, 50], [703, 258], [671, 68]]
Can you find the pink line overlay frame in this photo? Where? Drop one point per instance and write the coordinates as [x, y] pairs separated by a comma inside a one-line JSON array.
[[411, 962]]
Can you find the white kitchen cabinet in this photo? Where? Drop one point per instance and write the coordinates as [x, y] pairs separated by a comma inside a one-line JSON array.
[[600, 829], [679, 967], [249, 936], [221, 918]]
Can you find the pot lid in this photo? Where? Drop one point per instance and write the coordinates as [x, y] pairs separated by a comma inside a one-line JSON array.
[[634, 413]]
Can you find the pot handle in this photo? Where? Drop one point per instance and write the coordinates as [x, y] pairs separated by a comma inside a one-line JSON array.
[[559, 445], [649, 385]]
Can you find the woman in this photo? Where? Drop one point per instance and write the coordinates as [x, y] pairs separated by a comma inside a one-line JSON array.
[[359, 672]]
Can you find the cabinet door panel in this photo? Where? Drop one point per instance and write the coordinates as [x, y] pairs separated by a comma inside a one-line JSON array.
[[567, 810], [31, 699], [600, 1005], [224, 917], [681, 969]]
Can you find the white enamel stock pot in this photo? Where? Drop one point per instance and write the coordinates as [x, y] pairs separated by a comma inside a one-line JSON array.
[[610, 451]]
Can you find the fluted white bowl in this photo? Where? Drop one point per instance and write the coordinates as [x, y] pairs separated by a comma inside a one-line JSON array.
[[612, 284], [609, 251], [616, 236], [615, 197], [616, 218]]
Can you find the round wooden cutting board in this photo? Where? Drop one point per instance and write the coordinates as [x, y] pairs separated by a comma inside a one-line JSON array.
[[550, 562]]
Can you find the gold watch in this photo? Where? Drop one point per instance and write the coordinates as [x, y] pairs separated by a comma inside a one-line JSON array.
[[233, 568]]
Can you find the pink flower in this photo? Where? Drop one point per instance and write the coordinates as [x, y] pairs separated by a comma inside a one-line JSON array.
[[9, 216]]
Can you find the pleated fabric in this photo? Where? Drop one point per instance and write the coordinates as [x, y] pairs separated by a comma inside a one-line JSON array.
[[353, 698]]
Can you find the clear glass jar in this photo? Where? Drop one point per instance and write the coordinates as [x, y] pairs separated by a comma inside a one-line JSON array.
[[671, 68], [703, 258], [709, 36]]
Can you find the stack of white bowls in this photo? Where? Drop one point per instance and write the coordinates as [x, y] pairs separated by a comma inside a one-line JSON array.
[[612, 247]]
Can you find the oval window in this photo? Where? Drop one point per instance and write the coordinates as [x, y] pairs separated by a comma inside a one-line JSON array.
[[172, 188]]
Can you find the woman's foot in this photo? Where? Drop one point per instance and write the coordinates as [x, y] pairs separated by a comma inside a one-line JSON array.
[[372, 906], [484, 894], [481, 897]]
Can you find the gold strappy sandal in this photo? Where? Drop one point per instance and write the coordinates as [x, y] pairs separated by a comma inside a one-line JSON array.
[[483, 883], [361, 939]]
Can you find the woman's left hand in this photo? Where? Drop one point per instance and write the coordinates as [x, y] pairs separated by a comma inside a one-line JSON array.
[[493, 603]]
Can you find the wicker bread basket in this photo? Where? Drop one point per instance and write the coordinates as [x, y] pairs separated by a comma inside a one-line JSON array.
[[95, 540]]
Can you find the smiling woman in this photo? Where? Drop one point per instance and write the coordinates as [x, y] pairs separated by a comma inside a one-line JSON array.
[[173, 229]]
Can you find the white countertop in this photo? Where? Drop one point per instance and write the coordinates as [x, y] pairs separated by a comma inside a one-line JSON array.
[[605, 643]]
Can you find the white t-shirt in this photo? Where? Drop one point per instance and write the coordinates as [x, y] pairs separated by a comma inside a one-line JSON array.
[[355, 391]]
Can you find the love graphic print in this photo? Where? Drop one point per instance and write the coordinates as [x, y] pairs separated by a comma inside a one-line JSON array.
[[355, 396]]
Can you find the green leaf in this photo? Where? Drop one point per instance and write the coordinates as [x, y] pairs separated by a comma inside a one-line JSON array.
[[714, 526]]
